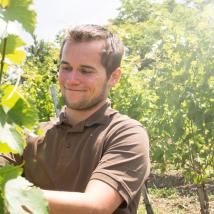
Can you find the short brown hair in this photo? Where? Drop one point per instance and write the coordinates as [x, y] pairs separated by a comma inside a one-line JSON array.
[[113, 50]]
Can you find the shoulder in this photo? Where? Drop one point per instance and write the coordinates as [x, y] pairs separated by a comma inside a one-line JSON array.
[[128, 133], [121, 123], [118, 118]]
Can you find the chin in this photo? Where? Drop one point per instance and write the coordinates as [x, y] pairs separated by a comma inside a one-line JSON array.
[[82, 107]]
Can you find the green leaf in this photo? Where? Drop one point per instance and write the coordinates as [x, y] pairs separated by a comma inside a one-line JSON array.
[[17, 57], [15, 109], [5, 148], [9, 172], [22, 114], [18, 10], [1, 203], [11, 140], [11, 96], [2, 116], [21, 193], [13, 42], [14, 55], [158, 155]]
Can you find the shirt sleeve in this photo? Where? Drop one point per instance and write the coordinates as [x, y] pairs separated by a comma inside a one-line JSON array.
[[125, 163]]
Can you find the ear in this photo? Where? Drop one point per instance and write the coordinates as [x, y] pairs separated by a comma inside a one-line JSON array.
[[115, 77]]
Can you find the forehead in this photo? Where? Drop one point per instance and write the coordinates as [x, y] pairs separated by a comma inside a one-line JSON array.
[[89, 47], [84, 53]]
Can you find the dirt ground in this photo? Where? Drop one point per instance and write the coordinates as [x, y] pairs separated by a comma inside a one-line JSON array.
[[185, 199]]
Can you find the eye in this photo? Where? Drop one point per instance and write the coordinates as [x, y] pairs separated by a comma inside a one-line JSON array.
[[85, 71], [65, 68]]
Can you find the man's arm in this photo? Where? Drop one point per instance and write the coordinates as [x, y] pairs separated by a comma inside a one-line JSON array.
[[98, 198]]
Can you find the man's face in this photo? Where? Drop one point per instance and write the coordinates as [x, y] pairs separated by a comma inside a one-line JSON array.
[[82, 77]]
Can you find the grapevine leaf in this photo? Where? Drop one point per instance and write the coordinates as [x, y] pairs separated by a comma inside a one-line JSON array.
[[2, 116], [11, 140], [9, 172], [13, 42], [4, 3], [1, 203], [11, 96], [22, 114], [18, 10], [9, 100], [17, 109], [17, 57], [5, 148], [20, 195]]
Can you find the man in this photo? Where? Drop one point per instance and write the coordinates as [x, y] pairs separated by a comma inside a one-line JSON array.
[[92, 159]]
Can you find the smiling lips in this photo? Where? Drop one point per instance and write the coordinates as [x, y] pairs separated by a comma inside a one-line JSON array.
[[77, 90]]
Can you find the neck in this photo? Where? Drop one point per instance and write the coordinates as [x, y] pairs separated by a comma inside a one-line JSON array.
[[75, 116]]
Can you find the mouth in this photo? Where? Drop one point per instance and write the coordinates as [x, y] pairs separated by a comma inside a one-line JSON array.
[[73, 89]]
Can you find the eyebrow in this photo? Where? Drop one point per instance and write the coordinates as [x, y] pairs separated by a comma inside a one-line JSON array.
[[64, 62], [82, 66], [88, 67]]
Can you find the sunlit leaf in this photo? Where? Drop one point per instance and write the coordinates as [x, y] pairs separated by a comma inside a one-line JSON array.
[[11, 140], [5, 148], [4, 3], [17, 57], [11, 96], [20, 193], [16, 109], [6, 67], [19, 10], [12, 43]]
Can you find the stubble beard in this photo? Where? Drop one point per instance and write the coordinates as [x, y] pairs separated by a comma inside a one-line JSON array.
[[86, 105]]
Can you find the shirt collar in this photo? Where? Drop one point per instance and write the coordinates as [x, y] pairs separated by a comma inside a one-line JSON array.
[[98, 117], [101, 115]]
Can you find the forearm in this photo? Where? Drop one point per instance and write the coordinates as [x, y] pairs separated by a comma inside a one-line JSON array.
[[61, 202]]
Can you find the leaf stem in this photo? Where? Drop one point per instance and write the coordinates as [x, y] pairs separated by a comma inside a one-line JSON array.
[[3, 57]]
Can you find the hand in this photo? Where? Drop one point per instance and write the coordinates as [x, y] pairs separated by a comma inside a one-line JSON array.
[[30, 136]]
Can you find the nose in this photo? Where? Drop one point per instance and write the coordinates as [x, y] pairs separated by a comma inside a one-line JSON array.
[[73, 77]]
